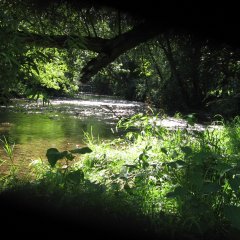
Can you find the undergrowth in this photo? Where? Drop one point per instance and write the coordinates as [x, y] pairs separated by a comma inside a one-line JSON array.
[[183, 182]]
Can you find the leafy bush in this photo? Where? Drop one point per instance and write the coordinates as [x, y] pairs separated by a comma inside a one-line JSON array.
[[193, 175]]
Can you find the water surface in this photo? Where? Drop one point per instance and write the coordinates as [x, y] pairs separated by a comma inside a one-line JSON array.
[[34, 128], [63, 124]]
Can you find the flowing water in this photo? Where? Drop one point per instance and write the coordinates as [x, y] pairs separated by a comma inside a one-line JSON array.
[[62, 124]]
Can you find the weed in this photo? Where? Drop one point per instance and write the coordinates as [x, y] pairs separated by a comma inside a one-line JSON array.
[[9, 149]]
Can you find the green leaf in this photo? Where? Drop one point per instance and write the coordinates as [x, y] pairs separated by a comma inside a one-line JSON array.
[[53, 155], [81, 150], [232, 213], [76, 176]]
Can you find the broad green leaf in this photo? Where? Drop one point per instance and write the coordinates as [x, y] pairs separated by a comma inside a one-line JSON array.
[[81, 150], [53, 155], [232, 213]]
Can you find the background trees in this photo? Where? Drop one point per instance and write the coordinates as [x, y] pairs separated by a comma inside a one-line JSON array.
[[51, 48]]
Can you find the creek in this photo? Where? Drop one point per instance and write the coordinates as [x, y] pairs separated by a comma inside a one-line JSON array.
[[62, 124]]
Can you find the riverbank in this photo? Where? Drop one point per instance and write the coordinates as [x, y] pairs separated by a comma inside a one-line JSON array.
[[34, 127]]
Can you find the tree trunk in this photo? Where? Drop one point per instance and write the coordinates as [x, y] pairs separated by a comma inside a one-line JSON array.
[[155, 63], [195, 77], [173, 66]]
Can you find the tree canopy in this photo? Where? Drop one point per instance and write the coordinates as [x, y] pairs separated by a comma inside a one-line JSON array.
[[60, 44]]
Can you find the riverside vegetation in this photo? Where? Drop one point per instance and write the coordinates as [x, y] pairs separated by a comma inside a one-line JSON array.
[[152, 181]]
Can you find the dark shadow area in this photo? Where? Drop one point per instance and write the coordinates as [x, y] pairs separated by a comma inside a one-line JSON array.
[[25, 211], [206, 19]]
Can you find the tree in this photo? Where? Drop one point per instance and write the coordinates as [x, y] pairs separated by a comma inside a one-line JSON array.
[[87, 38], [146, 27]]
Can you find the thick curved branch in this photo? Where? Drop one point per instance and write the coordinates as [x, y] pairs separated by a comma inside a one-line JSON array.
[[118, 46], [108, 49]]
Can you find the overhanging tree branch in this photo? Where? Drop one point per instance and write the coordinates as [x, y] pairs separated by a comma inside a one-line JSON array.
[[118, 46], [108, 49]]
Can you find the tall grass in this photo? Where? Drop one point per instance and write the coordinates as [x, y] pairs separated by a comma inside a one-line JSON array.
[[8, 147]]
